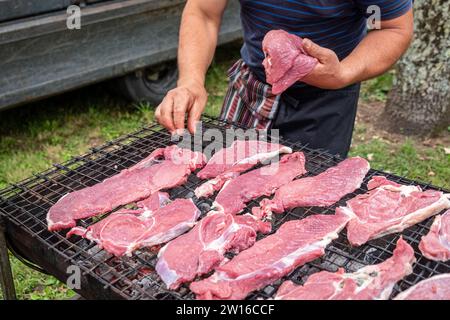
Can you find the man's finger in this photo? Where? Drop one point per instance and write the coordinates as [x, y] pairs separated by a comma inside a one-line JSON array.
[[158, 113], [181, 103], [166, 114], [320, 53], [195, 113]]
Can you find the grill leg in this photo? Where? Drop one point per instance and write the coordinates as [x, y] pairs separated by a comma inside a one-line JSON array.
[[6, 278]]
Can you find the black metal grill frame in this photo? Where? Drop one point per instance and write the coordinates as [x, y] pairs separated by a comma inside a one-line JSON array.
[[25, 205]]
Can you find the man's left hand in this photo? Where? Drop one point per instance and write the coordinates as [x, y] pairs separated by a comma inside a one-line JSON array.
[[329, 72]]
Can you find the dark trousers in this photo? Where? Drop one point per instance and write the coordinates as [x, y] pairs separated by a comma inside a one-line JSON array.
[[321, 119]]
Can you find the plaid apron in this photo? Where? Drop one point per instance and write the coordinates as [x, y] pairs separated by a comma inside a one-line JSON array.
[[248, 102]]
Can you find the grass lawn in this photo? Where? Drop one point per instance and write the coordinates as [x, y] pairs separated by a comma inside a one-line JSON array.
[[35, 136]]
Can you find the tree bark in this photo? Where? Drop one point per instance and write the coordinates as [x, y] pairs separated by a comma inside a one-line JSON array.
[[419, 102]]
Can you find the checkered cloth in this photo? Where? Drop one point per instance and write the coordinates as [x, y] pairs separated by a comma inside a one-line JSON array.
[[248, 102]]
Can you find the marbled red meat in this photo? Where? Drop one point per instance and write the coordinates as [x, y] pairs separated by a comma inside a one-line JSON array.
[[322, 190], [155, 201], [286, 62], [259, 182], [164, 168], [295, 243], [374, 282], [436, 244], [124, 231], [389, 208], [202, 249], [228, 163], [434, 288]]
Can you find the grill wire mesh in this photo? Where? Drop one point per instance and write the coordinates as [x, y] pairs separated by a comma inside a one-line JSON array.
[[26, 204]]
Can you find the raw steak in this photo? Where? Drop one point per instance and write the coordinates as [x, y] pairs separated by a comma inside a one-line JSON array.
[[286, 61], [436, 244], [434, 288], [322, 190], [164, 168], [229, 162], [155, 201], [389, 208], [202, 249], [260, 182], [295, 243], [373, 282], [124, 231]]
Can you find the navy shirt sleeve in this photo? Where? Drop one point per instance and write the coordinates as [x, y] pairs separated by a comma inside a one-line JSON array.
[[390, 9]]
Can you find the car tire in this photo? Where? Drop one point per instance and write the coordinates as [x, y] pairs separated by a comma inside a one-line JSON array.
[[150, 84]]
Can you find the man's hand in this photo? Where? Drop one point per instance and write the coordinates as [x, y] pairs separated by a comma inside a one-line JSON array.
[[199, 30], [329, 71], [373, 56], [187, 98]]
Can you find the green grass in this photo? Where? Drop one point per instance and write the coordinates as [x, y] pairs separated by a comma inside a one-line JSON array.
[[429, 165], [34, 137], [378, 88], [32, 285], [42, 134]]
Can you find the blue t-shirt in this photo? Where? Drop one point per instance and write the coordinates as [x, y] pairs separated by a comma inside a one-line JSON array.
[[335, 24]]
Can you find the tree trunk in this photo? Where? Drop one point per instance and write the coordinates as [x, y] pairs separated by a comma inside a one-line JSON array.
[[419, 102]]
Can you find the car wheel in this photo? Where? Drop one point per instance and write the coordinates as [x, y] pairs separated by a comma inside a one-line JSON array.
[[150, 84]]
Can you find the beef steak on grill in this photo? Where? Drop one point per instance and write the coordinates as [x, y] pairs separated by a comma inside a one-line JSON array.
[[389, 208], [228, 163], [259, 182], [124, 231], [202, 248], [322, 190], [286, 61], [155, 201], [436, 244], [434, 288], [295, 243], [374, 282], [164, 168]]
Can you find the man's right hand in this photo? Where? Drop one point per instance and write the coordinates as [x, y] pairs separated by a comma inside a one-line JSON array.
[[187, 98], [200, 24]]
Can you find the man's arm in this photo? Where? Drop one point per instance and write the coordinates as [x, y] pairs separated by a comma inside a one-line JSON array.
[[376, 53], [199, 30]]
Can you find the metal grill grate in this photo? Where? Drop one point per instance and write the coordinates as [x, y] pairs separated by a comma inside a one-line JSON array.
[[25, 206]]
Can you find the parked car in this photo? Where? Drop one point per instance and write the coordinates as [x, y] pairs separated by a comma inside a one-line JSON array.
[[134, 40]]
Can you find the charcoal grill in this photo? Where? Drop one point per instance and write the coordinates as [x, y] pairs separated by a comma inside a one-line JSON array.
[[24, 207]]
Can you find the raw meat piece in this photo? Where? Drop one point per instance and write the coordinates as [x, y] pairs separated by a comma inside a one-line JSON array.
[[138, 182], [373, 282], [124, 231], [240, 156], [260, 182], [378, 181], [229, 162], [155, 201], [209, 187], [434, 288], [202, 249], [295, 243], [286, 61], [389, 208], [322, 190], [436, 244]]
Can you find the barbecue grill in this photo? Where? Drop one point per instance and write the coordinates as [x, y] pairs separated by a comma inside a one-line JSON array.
[[24, 207]]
